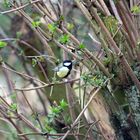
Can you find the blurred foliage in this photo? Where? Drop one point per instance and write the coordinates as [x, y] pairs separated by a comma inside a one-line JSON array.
[[3, 44], [135, 9], [26, 51]]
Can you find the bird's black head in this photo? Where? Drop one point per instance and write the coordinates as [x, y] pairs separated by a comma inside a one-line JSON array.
[[68, 64]]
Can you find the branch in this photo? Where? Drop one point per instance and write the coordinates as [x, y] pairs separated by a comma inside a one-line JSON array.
[[47, 85], [23, 74], [82, 112], [20, 7], [48, 134]]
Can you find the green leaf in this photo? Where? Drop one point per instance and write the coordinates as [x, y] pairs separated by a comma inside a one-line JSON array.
[[107, 61], [70, 26], [61, 18], [96, 80], [36, 23], [21, 52], [52, 27], [6, 4], [50, 118], [34, 62], [111, 24], [13, 96], [41, 59], [63, 104], [47, 127], [3, 44], [18, 35], [54, 79], [56, 110], [67, 119], [82, 46], [13, 106], [64, 39], [135, 9]]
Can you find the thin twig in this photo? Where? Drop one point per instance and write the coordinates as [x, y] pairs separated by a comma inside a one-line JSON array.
[[84, 109], [23, 74], [19, 8], [113, 44], [86, 135], [81, 113], [48, 134], [112, 4], [47, 85], [104, 7], [28, 123], [5, 132]]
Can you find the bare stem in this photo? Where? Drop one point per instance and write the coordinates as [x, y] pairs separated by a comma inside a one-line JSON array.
[[19, 8]]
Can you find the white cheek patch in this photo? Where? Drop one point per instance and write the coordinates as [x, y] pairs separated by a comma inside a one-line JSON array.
[[67, 63]]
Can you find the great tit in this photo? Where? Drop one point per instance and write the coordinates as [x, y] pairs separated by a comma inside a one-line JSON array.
[[64, 69]]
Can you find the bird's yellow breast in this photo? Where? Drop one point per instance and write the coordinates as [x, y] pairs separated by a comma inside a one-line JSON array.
[[62, 72]]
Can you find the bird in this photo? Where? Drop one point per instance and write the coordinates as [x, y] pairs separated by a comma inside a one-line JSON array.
[[64, 69]]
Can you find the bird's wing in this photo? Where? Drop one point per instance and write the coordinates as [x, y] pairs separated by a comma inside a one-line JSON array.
[[58, 67]]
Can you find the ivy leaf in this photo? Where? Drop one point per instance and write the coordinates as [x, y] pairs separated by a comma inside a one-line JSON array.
[[82, 46], [64, 39], [3, 44]]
